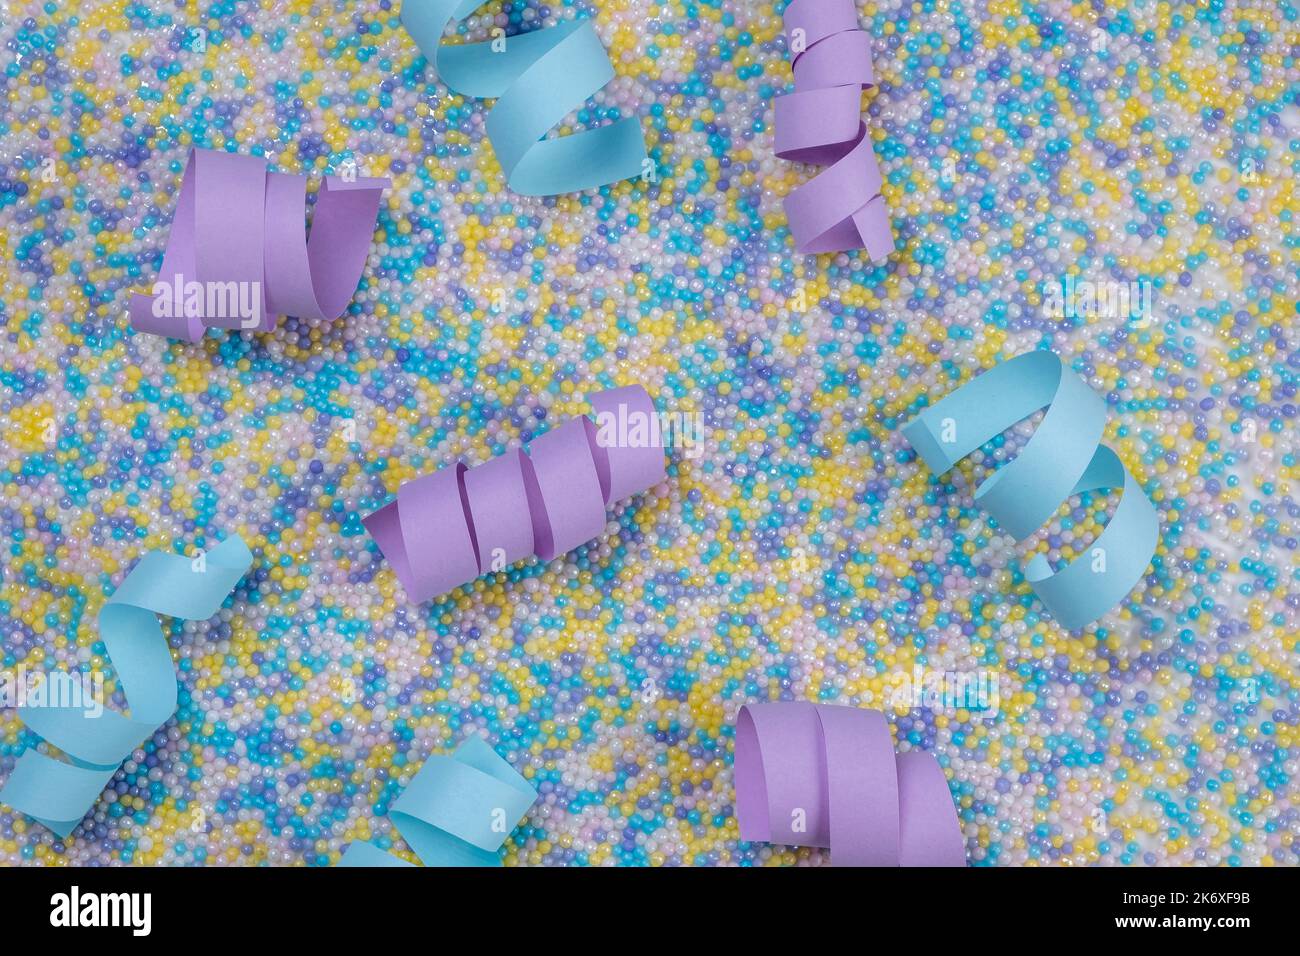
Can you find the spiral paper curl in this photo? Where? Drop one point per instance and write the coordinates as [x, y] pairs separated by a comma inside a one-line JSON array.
[[457, 811], [1063, 458], [447, 528], [238, 255], [58, 794], [826, 776], [821, 122], [539, 77]]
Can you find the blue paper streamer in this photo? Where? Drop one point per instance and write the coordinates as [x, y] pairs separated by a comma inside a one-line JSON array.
[[457, 811], [1063, 458], [58, 794], [540, 78]]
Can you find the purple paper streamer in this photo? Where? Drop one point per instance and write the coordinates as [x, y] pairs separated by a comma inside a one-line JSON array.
[[445, 529], [841, 208], [826, 776], [239, 230]]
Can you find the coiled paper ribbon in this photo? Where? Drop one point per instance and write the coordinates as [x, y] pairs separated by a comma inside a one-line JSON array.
[[827, 776], [1063, 458], [238, 254], [821, 122], [447, 528], [457, 811], [540, 77], [59, 794]]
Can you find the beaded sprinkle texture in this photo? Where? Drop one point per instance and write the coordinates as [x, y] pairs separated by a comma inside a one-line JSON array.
[[1110, 184]]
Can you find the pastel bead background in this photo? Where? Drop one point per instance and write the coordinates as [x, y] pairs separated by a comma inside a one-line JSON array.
[[805, 554]]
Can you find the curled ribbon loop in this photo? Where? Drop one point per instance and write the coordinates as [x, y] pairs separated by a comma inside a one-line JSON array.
[[59, 794], [1062, 459], [457, 811], [539, 77], [827, 776], [447, 528], [238, 254], [821, 123]]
